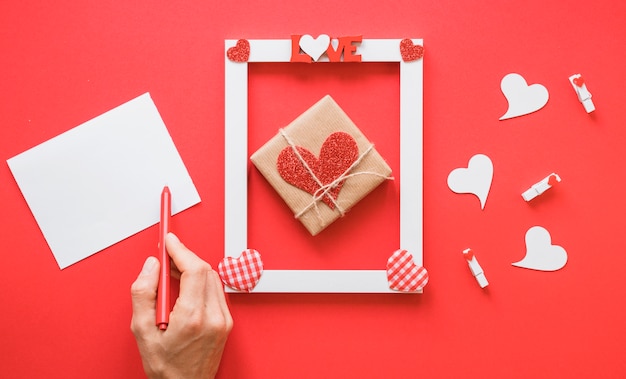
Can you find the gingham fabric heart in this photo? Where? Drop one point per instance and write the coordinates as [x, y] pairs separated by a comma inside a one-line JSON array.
[[403, 274], [243, 273]]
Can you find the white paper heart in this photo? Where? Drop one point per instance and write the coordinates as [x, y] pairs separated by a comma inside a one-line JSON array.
[[540, 253], [522, 98], [475, 179], [314, 47]]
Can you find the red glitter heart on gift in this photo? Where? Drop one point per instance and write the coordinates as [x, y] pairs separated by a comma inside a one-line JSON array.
[[403, 274], [409, 51], [339, 151], [243, 273], [240, 52], [579, 81]]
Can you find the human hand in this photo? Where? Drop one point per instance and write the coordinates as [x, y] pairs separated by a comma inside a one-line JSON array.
[[191, 347]]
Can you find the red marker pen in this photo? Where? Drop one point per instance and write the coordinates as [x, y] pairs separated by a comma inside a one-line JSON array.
[[163, 292]]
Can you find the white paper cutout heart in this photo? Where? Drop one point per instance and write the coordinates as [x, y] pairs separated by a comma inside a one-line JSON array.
[[522, 98], [475, 179], [540, 253], [314, 47]]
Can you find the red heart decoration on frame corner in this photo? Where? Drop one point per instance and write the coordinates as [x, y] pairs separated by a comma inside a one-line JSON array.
[[403, 274], [240, 52], [243, 273], [339, 151], [409, 51]]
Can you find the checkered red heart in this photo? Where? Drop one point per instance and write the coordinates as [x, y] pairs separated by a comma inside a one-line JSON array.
[[243, 273], [403, 274]]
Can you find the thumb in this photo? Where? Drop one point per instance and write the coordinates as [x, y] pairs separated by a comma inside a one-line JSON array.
[[143, 294]]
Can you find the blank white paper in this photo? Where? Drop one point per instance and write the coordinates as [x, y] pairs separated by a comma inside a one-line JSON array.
[[101, 181]]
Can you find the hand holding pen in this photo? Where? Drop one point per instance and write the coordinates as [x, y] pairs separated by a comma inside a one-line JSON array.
[[199, 324]]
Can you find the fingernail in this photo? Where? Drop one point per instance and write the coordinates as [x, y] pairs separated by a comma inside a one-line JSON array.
[[149, 265], [173, 237]]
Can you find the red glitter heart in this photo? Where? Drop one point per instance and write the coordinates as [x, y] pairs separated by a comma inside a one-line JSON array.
[[338, 153], [409, 51], [579, 81], [240, 52]]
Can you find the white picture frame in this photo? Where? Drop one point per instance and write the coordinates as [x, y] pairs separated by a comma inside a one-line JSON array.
[[236, 165]]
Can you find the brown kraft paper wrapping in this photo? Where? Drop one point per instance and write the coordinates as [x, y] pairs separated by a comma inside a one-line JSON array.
[[309, 131]]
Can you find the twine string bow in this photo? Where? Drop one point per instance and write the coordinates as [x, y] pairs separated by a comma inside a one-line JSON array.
[[324, 189]]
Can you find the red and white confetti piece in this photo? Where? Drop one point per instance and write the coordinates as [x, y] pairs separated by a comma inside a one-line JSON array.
[[243, 273], [409, 51], [403, 274], [240, 52]]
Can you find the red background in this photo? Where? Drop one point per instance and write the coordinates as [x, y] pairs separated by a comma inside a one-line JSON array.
[[66, 62]]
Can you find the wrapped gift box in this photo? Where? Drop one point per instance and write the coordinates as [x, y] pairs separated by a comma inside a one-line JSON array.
[[321, 165]]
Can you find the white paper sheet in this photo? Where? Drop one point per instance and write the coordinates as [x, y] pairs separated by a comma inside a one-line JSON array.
[[101, 182]]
